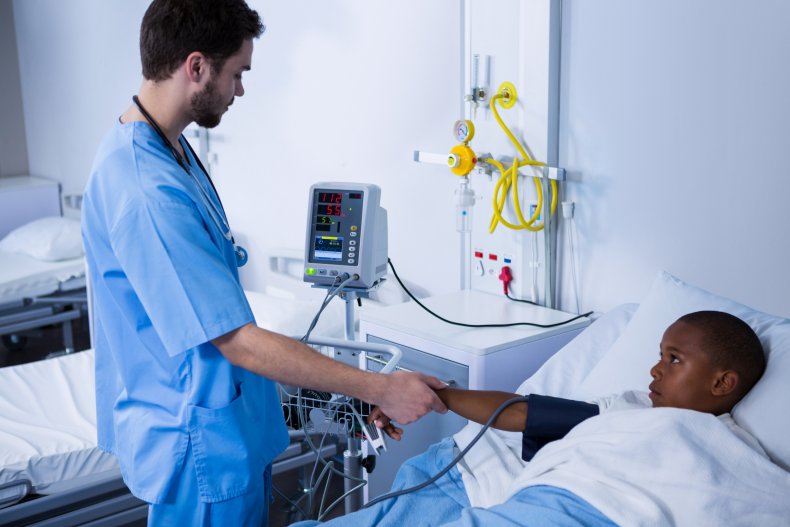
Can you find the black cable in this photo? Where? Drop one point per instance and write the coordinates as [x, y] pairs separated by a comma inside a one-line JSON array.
[[521, 300], [331, 292], [507, 325], [455, 460], [183, 163]]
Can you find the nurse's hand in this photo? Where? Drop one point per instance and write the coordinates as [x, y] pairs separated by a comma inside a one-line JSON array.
[[407, 396], [384, 423]]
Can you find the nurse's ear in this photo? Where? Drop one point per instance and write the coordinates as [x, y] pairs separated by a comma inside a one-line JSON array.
[[196, 66]]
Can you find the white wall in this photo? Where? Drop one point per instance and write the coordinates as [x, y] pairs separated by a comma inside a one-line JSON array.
[[345, 91], [339, 91], [674, 126], [79, 65], [13, 150]]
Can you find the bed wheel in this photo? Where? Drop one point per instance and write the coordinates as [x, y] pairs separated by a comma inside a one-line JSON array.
[[14, 342]]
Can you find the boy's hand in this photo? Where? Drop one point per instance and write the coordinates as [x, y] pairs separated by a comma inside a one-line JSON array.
[[385, 423]]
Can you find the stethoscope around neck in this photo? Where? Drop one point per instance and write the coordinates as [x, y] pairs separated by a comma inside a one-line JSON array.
[[217, 213]]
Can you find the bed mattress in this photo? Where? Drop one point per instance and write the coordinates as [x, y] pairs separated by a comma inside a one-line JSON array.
[[23, 277], [48, 422]]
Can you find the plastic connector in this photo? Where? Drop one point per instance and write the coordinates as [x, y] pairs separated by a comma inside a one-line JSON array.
[[374, 437], [567, 209], [506, 276]]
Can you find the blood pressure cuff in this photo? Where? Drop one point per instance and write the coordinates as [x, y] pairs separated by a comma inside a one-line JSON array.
[[549, 419]]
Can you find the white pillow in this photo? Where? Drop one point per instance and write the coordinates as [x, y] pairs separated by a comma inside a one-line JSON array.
[[50, 239], [763, 411], [561, 375]]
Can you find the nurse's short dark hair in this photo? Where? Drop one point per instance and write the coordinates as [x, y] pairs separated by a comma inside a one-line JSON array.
[[172, 29], [731, 344]]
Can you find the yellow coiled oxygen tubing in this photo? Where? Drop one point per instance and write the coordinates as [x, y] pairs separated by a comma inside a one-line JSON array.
[[509, 179]]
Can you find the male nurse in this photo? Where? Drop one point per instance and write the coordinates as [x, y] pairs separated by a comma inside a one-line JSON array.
[[184, 378]]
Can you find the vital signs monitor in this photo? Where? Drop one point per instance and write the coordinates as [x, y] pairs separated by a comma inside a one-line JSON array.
[[346, 234]]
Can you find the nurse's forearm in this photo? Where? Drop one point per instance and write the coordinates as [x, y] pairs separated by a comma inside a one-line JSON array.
[[403, 396], [288, 361]]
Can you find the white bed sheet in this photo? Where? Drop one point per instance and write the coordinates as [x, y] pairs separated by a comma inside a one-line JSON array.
[[23, 277], [48, 422]]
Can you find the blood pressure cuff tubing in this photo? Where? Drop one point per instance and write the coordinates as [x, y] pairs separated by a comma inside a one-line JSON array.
[[549, 419]]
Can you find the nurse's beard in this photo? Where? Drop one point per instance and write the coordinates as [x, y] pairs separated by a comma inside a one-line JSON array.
[[204, 106]]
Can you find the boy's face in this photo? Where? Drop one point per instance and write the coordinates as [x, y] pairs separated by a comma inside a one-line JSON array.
[[684, 375]]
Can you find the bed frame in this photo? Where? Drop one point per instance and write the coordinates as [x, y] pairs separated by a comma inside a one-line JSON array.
[[106, 501], [36, 312]]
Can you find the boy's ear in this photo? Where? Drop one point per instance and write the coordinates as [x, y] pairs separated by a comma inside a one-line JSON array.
[[725, 383]]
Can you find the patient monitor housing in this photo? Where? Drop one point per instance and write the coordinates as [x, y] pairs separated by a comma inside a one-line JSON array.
[[346, 234]]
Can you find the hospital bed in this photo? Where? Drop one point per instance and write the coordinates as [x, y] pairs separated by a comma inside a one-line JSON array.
[[42, 279], [638, 467], [36, 293], [613, 355], [52, 472]]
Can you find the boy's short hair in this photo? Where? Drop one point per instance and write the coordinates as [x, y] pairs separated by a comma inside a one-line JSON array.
[[731, 344], [172, 29]]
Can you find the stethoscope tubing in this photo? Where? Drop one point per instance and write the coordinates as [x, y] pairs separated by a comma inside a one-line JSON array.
[[183, 164], [213, 211]]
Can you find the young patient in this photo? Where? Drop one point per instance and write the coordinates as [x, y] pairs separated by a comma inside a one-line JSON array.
[[708, 361]]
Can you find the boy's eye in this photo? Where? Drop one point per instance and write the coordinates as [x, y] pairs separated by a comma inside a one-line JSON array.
[[673, 359]]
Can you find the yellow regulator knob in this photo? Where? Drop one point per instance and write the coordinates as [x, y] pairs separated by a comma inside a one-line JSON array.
[[461, 160]]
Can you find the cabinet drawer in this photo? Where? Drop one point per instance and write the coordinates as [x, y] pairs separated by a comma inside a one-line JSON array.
[[416, 360]]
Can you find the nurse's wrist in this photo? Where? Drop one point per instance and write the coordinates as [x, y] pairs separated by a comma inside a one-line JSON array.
[[376, 388]]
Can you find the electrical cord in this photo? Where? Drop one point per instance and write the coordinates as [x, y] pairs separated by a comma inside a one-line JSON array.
[[522, 300], [455, 460], [328, 466], [330, 294], [505, 325]]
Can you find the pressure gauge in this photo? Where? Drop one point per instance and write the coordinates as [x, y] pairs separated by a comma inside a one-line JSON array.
[[464, 131]]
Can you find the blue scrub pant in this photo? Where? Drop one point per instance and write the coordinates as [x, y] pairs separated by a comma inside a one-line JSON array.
[[183, 507]]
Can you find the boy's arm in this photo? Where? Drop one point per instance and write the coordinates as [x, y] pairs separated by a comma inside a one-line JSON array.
[[475, 405], [479, 405]]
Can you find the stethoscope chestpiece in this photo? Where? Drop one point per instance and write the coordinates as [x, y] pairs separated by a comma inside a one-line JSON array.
[[241, 255]]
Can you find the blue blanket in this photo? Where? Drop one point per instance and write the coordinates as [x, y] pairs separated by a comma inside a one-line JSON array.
[[445, 503]]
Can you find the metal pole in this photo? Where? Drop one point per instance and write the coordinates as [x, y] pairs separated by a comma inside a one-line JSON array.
[[350, 297], [553, 149], [352, 468]]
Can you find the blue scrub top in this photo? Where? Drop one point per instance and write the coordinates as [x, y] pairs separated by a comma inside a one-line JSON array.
[[165, 283]]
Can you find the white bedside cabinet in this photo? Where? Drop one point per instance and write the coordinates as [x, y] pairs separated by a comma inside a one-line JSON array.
[[474, 358]]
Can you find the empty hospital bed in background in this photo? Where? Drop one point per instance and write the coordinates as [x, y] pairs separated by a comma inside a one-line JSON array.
[[52, 472], [42, 270], [48, 446], [36, 293]]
